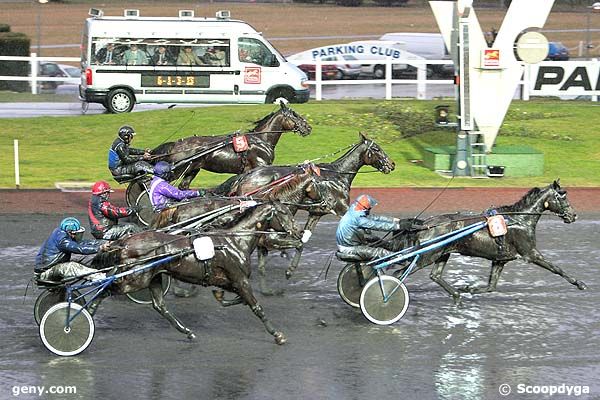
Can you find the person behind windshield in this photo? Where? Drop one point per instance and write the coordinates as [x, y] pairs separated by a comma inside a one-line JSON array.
[[161, 57], [162, 192], [107, 55], [125, 160], [135, 56], [53, 261], [351, 235], [104, 217]]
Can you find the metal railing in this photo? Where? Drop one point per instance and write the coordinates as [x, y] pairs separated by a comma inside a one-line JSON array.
[[35, 78]]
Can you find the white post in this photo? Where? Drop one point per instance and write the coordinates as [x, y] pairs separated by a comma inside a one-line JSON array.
[[595, 96], [17, 177], [388, 79], [34, 73], [318, 79], [421, 81]]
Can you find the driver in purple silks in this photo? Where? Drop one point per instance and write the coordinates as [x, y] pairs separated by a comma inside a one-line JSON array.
[[161, 191]]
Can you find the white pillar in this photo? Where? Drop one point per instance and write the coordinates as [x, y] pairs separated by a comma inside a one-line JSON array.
[[318, 79], [388, 79], [421, 81], [17, 177], [34, 73]]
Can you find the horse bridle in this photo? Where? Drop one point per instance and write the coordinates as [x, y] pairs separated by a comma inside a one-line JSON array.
[[379, 163]]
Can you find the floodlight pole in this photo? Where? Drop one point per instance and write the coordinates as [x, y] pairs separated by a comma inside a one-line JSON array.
[[38, 25]]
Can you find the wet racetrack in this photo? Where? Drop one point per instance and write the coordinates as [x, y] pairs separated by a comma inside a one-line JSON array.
[[536, 330]]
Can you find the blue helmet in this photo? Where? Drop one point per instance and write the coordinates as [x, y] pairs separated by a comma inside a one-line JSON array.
[[71, 225], [162, 169]]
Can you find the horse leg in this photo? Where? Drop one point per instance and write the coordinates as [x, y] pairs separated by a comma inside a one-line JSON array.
[[158, 303], [263, 252], [436, 276], [309, 226], [495, 272], [241, 284], [538, 259]]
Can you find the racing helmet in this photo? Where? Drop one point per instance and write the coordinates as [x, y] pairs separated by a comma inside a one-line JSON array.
[[101, 187], [71, 225], [162, 169], [365, 202], [126, 133]]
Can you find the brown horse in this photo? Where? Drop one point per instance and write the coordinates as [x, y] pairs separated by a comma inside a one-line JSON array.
[[217, 153], [229, 269]]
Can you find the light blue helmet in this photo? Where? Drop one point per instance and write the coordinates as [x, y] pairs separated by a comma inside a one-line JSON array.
[[71, 225]]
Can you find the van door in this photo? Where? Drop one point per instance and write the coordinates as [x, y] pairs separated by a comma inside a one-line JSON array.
[[259, 70]]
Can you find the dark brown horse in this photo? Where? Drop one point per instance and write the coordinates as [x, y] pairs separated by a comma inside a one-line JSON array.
[[229, 269], [519, 241], [217, 154], [334, 186]]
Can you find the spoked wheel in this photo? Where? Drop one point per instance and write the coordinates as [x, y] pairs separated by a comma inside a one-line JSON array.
[[351, 281], [50, 297], [380, 310], [133, 191], [144, 296], [146, 213], [62, 340]]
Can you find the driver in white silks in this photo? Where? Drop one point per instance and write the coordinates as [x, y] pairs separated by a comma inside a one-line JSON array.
[[53, 261], [350, 234]]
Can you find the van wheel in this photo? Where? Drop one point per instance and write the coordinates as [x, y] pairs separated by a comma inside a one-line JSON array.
[[379, 72], [273, 95], [119, 101], [339, 75]]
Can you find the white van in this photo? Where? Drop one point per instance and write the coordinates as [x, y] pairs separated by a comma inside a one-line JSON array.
[[430, 46], [132, 59]]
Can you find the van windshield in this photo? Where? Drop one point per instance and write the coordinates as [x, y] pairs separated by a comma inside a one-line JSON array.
[[256, 52]]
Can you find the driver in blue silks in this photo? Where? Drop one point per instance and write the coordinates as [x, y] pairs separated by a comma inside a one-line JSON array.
[[53, 261], [126, 160], [350, 234]]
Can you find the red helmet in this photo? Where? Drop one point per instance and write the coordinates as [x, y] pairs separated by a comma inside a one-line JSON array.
[[101, 187]]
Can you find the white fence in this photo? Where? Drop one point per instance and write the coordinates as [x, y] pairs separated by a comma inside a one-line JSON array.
[[552, 83], [34, 78]]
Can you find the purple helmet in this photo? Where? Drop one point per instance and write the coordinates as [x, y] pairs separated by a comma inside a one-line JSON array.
[[162, 169]]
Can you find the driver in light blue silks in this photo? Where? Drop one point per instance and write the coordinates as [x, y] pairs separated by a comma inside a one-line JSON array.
[[53, 261], [162, 192], [350, 234]]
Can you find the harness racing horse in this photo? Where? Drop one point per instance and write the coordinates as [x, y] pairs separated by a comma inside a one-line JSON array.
[[218, 154], [334, 187], [519, 241], [229, 269]]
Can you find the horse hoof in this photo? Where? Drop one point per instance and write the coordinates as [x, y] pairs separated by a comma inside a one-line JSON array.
[[581, 285], [457, 300], [191, 336], [280, 338], [288, 274], [464, 289]]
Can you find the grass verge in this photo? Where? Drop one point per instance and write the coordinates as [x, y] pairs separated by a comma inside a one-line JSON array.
[[75, 148]]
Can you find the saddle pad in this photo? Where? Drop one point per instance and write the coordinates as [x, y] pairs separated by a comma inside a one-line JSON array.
[[497, 225]]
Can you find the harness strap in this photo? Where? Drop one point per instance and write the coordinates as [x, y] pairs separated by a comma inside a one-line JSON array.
[[270, 186]]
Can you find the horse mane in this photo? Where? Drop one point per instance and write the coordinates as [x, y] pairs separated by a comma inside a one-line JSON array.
[[163, 148], [284, 190], [525, 201], [263, 121], [164, 218]]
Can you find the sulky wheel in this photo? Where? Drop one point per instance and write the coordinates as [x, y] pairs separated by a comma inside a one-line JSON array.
[[62, 340], [146, 213], [50, 297], [144, 297], [133, 191], [351, 281], [378, 310]]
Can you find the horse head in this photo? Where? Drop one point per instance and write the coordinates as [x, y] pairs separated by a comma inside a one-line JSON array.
[[374, 156], [557, 202], [284, 119]]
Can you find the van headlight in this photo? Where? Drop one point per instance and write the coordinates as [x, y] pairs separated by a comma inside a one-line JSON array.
[[303, 82]]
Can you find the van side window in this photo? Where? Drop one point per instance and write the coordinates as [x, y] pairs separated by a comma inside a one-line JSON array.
[[255, 52]]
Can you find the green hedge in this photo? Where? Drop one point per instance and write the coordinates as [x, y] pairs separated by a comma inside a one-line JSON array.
[[14, 44], [4, 28]]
